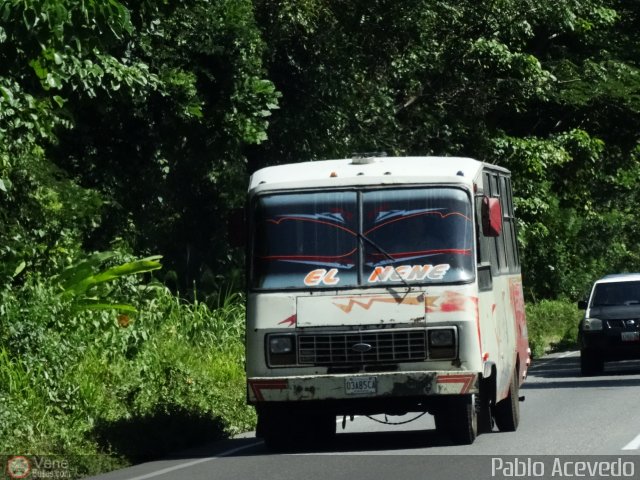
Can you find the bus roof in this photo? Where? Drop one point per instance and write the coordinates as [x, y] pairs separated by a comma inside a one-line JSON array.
[[368, 171]]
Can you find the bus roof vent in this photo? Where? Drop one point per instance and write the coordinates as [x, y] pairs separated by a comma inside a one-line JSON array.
[[365, 158]]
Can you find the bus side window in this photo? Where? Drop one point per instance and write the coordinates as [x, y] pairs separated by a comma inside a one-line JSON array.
[[510, 239], [500, 239], [497, 247], [485, 280]]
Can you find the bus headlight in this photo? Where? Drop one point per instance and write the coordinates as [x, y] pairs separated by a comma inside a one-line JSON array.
[[281, 350], [441, 338], [280, 344], [442, 343]]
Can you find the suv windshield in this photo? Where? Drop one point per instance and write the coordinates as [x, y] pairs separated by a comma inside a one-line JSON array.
[[615, 294], [320, 240]]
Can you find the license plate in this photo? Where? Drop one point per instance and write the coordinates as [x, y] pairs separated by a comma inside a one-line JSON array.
[[360, 385], [630, 336]]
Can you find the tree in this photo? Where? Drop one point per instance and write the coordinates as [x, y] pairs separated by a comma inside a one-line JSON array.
[[137, 114]]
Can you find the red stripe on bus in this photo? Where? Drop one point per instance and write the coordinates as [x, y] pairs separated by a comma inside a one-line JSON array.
[[258, 385], [466, 380]]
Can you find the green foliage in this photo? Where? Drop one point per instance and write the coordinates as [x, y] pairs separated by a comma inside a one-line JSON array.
[[118, 119], [84, 283], [51, 50], [552, 325], [73, 382], [96, 95], [185, 134]]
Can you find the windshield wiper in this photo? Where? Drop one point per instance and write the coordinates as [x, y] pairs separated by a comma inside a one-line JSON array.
[[388, 256]]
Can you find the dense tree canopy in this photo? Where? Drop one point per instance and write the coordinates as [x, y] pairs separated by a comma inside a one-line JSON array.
[[131, 124]]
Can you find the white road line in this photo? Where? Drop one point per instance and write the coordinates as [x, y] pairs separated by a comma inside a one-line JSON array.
[[226, 453], [633, 444], [238, 449], [544, 364]]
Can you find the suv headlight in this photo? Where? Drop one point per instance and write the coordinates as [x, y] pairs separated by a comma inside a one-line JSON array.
[[592, 324]]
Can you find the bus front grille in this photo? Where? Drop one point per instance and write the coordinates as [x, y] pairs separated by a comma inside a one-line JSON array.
[[362, 347]]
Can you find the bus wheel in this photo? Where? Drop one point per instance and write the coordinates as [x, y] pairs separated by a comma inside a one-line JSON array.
[[462, 419], [507, 411], [321, 429], [273, 430], [483, 406], [284, 431]]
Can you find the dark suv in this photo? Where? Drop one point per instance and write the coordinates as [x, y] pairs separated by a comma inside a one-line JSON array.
[[610, 329]]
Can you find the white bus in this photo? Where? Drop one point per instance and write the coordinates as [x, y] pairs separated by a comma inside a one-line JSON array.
[[383, 285]]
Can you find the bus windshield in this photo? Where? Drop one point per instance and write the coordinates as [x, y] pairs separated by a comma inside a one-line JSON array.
[[320, 239]]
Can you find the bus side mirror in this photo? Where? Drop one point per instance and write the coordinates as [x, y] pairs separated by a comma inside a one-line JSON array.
[[491, 217], [237, 227], [582, 304]]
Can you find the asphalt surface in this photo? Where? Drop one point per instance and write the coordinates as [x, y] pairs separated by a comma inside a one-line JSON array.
[[565, 418]]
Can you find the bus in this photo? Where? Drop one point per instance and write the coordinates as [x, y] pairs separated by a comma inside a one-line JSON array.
[[383, 285]]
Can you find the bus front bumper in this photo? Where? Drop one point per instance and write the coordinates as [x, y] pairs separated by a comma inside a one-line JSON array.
[[360, 386]]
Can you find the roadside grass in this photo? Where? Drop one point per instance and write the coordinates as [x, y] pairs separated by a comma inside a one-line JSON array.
[[107, 389], [552, 326]]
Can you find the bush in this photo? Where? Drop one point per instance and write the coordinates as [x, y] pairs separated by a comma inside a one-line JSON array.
[[552, 325], [83, 383]]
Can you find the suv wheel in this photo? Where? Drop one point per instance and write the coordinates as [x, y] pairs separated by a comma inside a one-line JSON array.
[[591, 363]]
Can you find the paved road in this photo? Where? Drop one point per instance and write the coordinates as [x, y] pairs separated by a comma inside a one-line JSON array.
[[563, 414]]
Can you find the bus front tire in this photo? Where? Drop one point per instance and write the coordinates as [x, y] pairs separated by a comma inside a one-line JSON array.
[[483, 405], [291, 430], [458, 419]]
